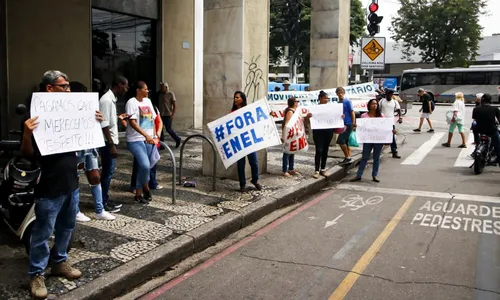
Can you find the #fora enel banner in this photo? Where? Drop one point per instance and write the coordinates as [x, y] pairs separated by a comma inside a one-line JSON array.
[[374, 130], [294, 136], [67, 122], [249, 129]]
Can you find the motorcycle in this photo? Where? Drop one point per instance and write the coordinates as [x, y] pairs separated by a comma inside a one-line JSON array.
[[484, 154], [20, 176]]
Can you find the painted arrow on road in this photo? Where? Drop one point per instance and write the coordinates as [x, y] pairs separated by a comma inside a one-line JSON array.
[[331, 223]]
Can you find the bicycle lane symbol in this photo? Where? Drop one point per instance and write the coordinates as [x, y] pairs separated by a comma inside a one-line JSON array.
[[355, 202]]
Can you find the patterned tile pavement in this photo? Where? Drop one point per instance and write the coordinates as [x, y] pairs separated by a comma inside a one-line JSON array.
[[100, 246]]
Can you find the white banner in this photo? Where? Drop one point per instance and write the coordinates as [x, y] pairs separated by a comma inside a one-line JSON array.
[[294, 135], [327, 116], [244, 131], [67, 122], [350, 91], [375, 130]]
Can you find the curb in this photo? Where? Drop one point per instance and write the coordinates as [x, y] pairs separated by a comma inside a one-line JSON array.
[[131, 274]]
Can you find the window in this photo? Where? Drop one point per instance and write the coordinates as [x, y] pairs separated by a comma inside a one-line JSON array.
[[474, 78], [452, 78], [124, 45]]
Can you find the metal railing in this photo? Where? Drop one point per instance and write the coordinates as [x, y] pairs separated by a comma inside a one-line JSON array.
[[214, 170], [172, 157]]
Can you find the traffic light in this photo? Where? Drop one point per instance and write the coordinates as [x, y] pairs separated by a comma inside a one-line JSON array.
[[373, 19]]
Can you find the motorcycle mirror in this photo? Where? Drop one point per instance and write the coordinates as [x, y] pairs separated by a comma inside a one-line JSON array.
[[21, 109]]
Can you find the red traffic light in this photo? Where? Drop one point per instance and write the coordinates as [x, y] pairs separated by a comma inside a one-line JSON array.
[[373, 7]]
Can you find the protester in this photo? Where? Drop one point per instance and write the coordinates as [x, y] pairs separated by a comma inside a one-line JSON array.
[[56, 197], [239, 101], [289, 159], [141, 138], [349, 123], [457, 120], [109, 153], [373, 112], [388, 106], [322, 139]]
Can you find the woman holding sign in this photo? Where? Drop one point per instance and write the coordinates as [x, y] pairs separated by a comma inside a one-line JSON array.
[[239, 101], [373, 112], [141, 137], [322, 139]]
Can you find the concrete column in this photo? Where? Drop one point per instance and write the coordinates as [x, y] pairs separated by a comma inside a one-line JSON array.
[[236, 58], [330, 28], [178, 57], [4, 103]]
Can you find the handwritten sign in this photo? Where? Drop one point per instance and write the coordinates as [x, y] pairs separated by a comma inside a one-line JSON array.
[[67, 122], [244, 131], [375, 130], [326, 116], [294, 136], [277, 111]]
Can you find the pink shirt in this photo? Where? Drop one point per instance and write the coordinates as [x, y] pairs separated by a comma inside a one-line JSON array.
[[365, 115]]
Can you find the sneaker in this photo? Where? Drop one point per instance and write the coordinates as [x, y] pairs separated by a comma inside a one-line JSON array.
[[417, 130], [178, 143], [323, 173], [37, 287], [117, 205], [395, 155], [446, 145], [148, 196], [375, 179], [111, 208], [462, 146], [106, 216], [158, 187], [294, 173], [316, 175], [81, 217], [356, 179], [65, 270], [286, 174], [430, 130], [140, 200], [243, 189]]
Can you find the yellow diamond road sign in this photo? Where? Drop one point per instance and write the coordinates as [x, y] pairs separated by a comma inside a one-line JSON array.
[[373, 49]]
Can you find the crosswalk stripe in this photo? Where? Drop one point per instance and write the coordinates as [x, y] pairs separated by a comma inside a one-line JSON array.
[[463, 159], [418, 155]]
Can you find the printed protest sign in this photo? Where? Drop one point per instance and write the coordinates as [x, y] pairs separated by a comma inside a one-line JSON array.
[[244, 131], [326, 116], [350, 91], [374, 130], [294, 135], [67, 122]]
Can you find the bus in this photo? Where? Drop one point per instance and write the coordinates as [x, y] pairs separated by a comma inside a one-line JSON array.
[[442, 84]]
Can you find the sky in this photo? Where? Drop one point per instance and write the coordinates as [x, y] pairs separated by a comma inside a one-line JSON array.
[[389, 9]]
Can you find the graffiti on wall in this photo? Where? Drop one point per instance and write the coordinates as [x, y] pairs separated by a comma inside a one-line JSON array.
[[255, 83]]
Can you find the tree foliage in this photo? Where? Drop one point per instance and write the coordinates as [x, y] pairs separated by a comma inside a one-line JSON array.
[[443, 32], [290, 25]]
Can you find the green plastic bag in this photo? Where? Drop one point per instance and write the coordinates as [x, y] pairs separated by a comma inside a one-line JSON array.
[[353, 141]]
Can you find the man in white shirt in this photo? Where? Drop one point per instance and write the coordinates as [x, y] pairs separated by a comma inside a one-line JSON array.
[[107, 106], [388, 106]]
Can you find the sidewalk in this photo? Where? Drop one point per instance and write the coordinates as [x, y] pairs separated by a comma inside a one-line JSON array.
[[145, 240]]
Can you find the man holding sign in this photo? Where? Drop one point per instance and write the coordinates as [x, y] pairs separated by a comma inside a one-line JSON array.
[[373, 130], [56, 195]]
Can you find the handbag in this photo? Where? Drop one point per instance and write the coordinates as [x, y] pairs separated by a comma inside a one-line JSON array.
[[353, 140]]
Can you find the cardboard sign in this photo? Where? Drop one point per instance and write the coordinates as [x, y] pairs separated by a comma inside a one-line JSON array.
[[294, 135], [326, 116], [375, 130], [67, 122]]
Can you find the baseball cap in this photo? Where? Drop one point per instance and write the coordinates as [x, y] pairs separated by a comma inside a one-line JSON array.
[[421, 90], [479, 95]]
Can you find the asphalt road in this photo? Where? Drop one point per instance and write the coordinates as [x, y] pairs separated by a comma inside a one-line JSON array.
[[429, 230]]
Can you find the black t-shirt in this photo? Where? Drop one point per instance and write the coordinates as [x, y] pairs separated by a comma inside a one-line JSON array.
[[486, 116], [59, 172], [426, 103]]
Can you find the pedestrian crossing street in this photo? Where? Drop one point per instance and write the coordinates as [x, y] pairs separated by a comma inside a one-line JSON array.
[[435, 140]]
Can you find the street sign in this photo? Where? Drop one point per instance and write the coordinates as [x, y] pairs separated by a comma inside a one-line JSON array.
[[373, 53]]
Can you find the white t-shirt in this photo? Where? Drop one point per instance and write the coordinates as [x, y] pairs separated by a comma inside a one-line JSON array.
[[459, 107], [145, 115], [107, 106], [388, 107]]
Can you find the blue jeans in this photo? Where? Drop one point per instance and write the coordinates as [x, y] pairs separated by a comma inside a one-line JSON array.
[[141, 152], [254, 166], [107, 171], [153, 184], [59, 214], [367, 149], [89, 158], [288, 160]]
